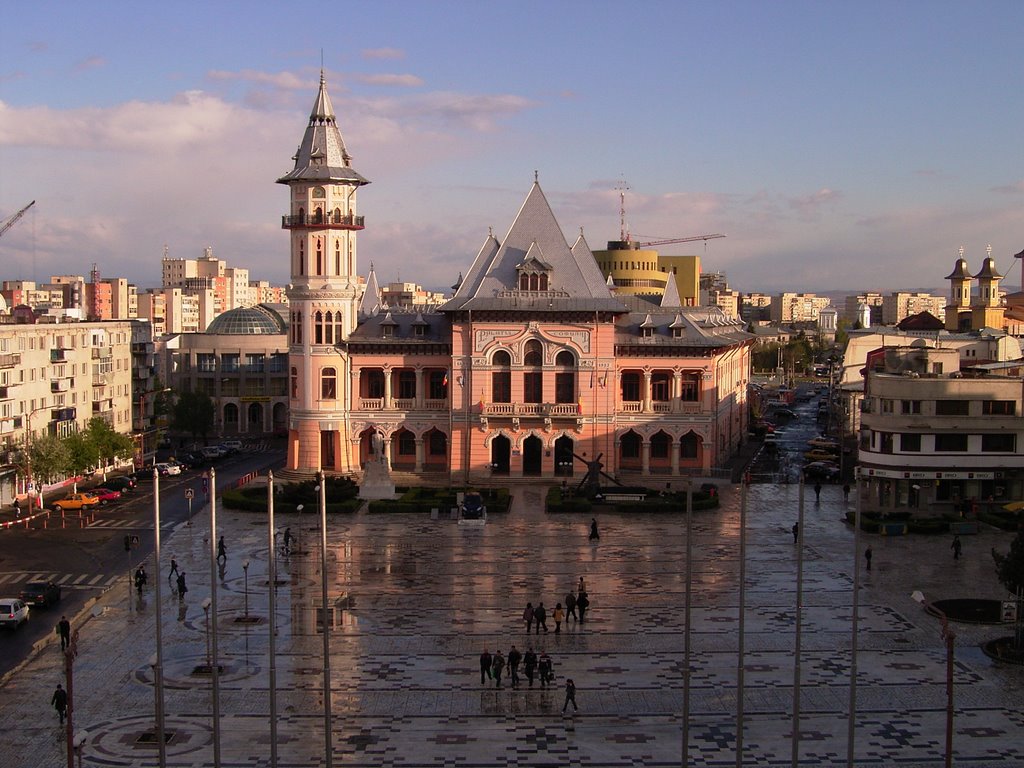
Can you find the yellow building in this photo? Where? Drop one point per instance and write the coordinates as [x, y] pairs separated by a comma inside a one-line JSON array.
[[638, 271]]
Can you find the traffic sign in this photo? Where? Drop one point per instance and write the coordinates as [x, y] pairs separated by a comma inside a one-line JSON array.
[[206, 486], [189, 494]]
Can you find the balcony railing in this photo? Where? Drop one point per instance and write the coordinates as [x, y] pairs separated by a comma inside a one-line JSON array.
[[101, 353], [6, 393], [9, 425], [322, 222], [59, 385], [58, 356], [103, 406], [531, 410], [10, 361]]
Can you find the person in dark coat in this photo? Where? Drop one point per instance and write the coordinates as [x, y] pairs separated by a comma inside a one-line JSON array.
[[140, 579], [174, 570], [570, 695], [64, 630], [817, 492], [540, 616], [530, 664], [570, 605], [497, 666], [485, 667], [582, 603], [182, 589], [957, 547], [528, 617], [546, 669], [594, 535], [222, 551], [514, 657], [867, 556], [60, 702], [796, 532]]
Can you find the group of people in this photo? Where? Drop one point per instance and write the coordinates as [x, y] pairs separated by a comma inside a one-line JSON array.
[[576, 604], [493, 666]]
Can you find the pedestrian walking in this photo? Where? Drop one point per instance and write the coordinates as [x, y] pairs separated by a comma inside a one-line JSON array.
[[513, 659], [485, 666], [17, 509], [957, 547], [540, 617], [182, 589], [174, 570], [64, 630], [529, 664], [546, 669], [497, 666], [594, 535], [287, 540], [796, 532], [570, 605], [817, 493], [570, 695], [582, 603], [222, 551], [140, 579], [557, 615], [846, 492], [528, 617], [581, 587], [60, 702], [867, 557]]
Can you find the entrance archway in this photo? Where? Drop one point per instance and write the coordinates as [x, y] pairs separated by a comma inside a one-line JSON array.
[[533, 455], [564, 447], [501, 454]]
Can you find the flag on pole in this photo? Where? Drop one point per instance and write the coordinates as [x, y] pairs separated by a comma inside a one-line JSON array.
[[579, 406], [444, 382]]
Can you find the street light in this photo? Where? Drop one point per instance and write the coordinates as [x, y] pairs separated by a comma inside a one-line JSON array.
[[206, 609], [949, 638], [245, 568]]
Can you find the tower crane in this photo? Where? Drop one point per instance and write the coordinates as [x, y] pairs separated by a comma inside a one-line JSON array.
[[14, 219], [672, 240]]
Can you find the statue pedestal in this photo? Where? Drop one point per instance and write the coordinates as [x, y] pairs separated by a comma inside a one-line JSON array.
[[377, 482]]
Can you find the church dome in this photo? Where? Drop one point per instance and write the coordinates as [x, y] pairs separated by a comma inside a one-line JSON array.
[[247, 321]]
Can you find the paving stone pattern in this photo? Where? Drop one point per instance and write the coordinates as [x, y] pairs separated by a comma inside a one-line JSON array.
[[414, 602]]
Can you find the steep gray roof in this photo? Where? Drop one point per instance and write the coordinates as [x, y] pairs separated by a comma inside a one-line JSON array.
[[574, 280], [670, 299], [435, 328], [370, 303], [322, 155], [697, 326]]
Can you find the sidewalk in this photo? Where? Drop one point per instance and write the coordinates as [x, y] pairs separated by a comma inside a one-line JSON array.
[[414, 602]]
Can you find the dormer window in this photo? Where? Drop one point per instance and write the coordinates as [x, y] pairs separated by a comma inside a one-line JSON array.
[[533, 273], [646, 333], [387, 331], [419, 331], [532, 281]]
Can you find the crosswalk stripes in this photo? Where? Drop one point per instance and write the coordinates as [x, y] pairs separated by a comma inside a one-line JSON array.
[[14, 581]]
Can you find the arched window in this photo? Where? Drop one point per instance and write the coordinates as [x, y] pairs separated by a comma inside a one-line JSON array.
[[318, 327], [691, 387], [337, 256], [501, 377], [295, 383], [328, 384], [302, 257], [689, 446], [329, 328], [337, 215], [565, 377], [533, 380], [319, 255], [524, 282], [543, 282]]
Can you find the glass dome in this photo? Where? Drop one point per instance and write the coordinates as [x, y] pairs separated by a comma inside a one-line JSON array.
[[247, 321]]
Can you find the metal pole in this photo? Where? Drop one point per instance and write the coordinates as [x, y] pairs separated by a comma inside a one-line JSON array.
[[799, 623], [851, 725], [272, 644], [950, 638], [214, 667], [686, 618], [158, 671], [69, 679], [327, 623], [740, 682]]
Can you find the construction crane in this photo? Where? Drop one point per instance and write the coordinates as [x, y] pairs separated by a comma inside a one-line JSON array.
[[670, 241], [14, 219]]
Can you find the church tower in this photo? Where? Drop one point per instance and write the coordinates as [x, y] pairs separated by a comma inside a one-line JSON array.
[[987, 310], [959, 294], [324, 293]]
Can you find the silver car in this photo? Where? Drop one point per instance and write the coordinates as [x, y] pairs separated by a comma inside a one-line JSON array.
[[13, 612]]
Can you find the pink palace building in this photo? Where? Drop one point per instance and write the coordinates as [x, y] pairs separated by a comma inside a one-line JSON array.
[[533, 367]]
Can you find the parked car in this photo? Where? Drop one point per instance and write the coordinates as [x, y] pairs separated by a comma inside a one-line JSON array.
[[13, 612], [41, 594], [122, 484], [196, 459], [821, 470], [232, 445], [213, 452], [784, 413], [819, 454], [166, 469], [106, 495], [76, 501]]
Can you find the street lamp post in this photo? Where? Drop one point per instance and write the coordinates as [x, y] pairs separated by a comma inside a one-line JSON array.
[[949, 638], [245, 569], [206, 610]]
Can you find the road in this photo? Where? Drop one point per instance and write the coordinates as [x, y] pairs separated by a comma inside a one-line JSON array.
[[791, 436], [85, 561]]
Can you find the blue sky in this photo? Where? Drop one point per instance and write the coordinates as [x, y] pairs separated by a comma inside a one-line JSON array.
[[839, 146]]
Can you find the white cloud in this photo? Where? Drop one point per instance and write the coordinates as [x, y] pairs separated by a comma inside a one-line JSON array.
[[382, 53]]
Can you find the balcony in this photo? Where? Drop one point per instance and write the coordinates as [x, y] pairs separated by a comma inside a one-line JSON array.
[[10, 425], [63, 414], [103, 406], [6, 393], [59, 356], [102, 353], [10, 361], [531, 410], [59, 385], [322, 222], [101, 379]]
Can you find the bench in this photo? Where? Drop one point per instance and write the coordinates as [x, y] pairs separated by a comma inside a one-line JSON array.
[[613, 497]]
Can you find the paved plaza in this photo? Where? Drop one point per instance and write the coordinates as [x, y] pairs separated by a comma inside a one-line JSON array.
[[417, 599]]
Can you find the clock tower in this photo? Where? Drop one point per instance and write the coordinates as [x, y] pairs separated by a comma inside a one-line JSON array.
[[324, 293]]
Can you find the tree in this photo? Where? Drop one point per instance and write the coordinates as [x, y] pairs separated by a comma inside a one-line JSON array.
[[1010, 572], [48, 460], [193, 413], [107, 443], [81, 455]]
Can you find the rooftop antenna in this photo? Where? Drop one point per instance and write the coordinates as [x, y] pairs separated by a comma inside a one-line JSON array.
[[623, 187]]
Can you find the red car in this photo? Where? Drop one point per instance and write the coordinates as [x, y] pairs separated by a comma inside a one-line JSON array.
[[106, 495]]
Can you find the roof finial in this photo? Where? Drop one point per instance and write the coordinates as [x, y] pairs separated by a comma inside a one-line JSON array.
[[988, 250], [535, 176], [622, 186], [961, 251]]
